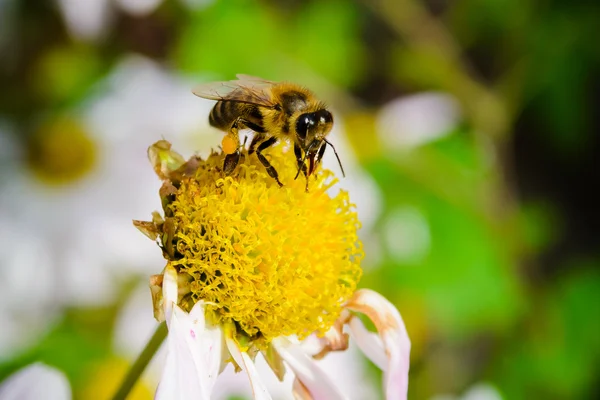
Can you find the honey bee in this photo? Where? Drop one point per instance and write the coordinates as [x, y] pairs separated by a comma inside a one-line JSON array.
[[274, 111]]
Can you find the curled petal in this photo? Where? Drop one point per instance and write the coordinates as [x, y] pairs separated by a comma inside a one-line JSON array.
[[334, 339], [394, 339], [307, 371], [259, 391], [370, 343], [37, 381], [147, 228], [193, 356]]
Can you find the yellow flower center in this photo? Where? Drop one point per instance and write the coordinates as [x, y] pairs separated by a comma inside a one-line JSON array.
[[273, 261], [61, 152]]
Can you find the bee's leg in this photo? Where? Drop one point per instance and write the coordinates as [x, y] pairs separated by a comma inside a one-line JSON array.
[[231, 147], [299, 160], [231, 144], [301, 164], [321, 153], [231, 161], [258, 137], [270, 169]]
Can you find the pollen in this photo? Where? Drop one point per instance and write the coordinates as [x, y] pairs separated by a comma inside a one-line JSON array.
[[271, 261], [229, 145]]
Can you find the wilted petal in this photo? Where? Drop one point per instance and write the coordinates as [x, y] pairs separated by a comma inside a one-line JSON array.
[[394, 338], [156, 284], [193, 356], [37, 381], [163, 159], [307, 371], [259, 391], [169, 287], [333, 340], [147, 228]]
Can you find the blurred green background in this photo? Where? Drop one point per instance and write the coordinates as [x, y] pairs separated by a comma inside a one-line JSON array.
[[468, 130]]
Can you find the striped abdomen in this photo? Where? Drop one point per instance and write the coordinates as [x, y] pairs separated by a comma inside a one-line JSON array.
[[224, 113]]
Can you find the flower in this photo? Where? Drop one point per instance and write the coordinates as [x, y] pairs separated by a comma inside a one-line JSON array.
[[478, 391], [65, 239], [36, 381], [253, 268], [134, 326], [415, 120], [91, 21]]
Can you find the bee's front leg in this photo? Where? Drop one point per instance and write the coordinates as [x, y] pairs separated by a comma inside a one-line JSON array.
[[301, 163], [270, 169]]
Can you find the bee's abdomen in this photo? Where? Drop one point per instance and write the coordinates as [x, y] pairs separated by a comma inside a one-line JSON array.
[[223, 114]]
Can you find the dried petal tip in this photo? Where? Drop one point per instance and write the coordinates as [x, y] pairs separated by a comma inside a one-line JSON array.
[[147, 228], [163, 159]]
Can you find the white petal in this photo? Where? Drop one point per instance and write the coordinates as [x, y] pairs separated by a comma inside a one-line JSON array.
[[368, 342], [259, 391], [300, 391], [139, 7], [482, 391], [307, 371], [37, 381], [87, 20], [414, 120], [193, 358], [169, 291], [393, 335], [209, 339]]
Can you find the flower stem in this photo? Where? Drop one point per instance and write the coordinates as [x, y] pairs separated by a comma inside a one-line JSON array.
[[142, 361]]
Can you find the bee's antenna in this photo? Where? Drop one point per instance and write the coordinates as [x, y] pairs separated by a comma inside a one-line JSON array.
[[336, 156], [310, 146]]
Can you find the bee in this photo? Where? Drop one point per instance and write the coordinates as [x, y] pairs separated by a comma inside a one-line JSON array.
[[274, 111]]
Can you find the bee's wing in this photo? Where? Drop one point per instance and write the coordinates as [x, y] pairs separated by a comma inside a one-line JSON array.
[[245, 91], [254, 79]]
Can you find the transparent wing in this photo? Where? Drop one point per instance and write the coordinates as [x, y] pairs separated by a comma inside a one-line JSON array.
[[243, 90], [254, 79]]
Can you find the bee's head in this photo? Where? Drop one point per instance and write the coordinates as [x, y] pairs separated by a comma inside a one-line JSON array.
[[313, 126], [311, 131]]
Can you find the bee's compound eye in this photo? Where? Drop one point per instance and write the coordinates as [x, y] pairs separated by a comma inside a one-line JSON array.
[[304, 123], [325, 117]]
